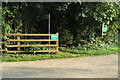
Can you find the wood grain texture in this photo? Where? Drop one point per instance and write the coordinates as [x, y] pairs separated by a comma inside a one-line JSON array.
[[31, 45], [24, 40], [31, 51], [28, 34]]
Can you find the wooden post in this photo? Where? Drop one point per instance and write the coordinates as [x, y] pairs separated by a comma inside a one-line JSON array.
[[18, 43], [5, 47], [57, 43]]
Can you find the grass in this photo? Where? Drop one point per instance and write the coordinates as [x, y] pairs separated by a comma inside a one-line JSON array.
[[91, 52], [63, 53]]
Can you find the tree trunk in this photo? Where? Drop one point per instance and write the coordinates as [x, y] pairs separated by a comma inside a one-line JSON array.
[[75, 39]]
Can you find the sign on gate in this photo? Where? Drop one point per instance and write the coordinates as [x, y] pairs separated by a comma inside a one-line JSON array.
[[54, 37]]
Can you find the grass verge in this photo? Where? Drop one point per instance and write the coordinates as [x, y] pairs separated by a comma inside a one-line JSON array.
[[64, 53]]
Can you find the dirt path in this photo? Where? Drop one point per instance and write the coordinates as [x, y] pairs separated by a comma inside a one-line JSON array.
[[105, 66]]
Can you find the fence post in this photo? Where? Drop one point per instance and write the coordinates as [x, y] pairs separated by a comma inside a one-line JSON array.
[[5, 44], [57, 43], [6, 47], [18, 43]]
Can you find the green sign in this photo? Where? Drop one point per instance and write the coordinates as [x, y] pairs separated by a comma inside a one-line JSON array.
[[54, 37], [105, 28]]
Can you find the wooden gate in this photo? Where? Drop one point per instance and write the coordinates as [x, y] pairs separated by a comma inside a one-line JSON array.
[[19, 40]]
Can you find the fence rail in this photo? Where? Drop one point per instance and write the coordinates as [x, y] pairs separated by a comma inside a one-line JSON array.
[[19, 40], [32, 51], [31, 45], [24, 40], [28, 34]]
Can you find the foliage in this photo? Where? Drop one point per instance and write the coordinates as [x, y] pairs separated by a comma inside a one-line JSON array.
[[88, 20], [78, 23], [31, 57], [97, 45]]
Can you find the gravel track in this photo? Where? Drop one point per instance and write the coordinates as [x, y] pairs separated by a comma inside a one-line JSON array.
[[105, 66]]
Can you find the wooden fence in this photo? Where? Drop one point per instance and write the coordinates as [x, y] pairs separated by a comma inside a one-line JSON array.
[[19, 40]]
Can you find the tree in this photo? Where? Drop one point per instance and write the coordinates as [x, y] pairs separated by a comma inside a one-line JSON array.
[[82, 21]]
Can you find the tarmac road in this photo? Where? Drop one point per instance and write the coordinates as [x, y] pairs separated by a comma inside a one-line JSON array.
[[105, 66]]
